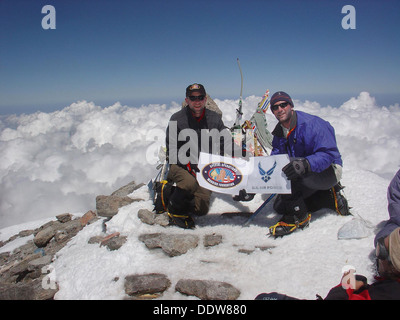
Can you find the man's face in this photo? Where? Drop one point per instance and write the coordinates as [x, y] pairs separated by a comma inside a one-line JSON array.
[[196, 106], [283, 112]]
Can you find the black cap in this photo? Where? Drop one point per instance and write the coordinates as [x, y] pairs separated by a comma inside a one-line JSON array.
[[195, 87], [281, 96]]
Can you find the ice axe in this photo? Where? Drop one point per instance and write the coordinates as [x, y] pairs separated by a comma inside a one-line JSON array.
[[259, 209]]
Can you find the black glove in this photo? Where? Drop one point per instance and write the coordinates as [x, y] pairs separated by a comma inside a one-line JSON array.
[[296, 168], [192, 168], [244, 196]]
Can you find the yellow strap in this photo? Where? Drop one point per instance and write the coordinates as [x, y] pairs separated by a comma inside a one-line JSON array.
[[177, 215], [292, 225], [164, 182], [335, 198]]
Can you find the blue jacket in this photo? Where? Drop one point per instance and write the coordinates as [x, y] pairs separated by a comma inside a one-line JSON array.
[[393, 196], [309, 137]]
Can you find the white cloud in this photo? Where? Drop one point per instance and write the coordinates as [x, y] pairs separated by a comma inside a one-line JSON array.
[[57, 162]]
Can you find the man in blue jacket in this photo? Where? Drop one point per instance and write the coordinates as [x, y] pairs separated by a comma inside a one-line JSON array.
[[315, 167]]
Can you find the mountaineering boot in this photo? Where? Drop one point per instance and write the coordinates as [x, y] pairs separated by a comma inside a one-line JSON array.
[[163, 190], [289, 224], [341, 204], [181, 220], [295, 217], [178, 209], [332, 198]]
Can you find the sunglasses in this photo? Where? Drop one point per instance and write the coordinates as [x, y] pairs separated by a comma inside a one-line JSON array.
[[381, 252], [283, 105], [194, 98]]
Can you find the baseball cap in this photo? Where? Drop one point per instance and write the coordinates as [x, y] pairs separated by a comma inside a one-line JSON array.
[[196, 87]]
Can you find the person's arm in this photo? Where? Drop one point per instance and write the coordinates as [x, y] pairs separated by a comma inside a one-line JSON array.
[[321, 146], [359, 292], [393, 195]]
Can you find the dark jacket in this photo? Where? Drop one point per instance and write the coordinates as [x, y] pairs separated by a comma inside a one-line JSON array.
[[309, 137], [184, 119], [380, 290]]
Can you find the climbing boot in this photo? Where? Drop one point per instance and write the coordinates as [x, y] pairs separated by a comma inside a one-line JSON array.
[[178, 209], [332, 198], [184, 221], [289, 224], [341, 204], [164, 190], [296, 217]]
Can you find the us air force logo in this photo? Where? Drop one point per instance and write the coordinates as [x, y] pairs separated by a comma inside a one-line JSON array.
[[266, 175], [222, 175]]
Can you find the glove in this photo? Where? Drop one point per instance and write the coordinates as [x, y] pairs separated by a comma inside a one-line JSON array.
[[192, 168], [244, 196], [296, 168]]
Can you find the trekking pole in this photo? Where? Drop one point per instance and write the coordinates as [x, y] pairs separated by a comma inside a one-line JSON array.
[[259, 209]]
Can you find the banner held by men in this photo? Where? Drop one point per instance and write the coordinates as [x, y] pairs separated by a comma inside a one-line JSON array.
[[230, 175]]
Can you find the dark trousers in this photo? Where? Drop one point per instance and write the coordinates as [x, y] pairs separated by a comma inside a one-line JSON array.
[[303, 189], [188, 189], [314, 182]]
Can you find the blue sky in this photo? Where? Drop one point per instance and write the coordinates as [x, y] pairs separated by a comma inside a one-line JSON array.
[[148, 51]]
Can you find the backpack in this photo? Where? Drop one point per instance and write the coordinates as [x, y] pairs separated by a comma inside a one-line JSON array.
[[164, 190]]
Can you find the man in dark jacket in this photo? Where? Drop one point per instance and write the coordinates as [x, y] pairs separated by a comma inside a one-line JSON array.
[[315, 166], [184, 140]]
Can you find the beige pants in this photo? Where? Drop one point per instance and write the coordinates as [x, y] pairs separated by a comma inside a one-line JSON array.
[[184, 180]]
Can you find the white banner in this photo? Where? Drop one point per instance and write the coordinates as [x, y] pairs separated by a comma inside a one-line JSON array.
[[230, 175]]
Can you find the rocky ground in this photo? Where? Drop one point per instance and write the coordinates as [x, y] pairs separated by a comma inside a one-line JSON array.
[[24, 271]]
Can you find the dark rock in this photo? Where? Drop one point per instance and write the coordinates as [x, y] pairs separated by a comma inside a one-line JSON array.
[[43, 237], [39, 263], [146, 284], [65, 217], [116, 243], [25, 233], [151, 240], [175, 245], [212, 240], [19, 291], [146, 216], [4, 256], [53, 224], [149, 217], [171, 244], [127, 189], [88, 217], [33, 290], [107, 206], [207, 290], [95, 239]]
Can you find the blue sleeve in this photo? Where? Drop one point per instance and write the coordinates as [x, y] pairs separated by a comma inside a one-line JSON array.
[[393, 196], [322, 147]]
